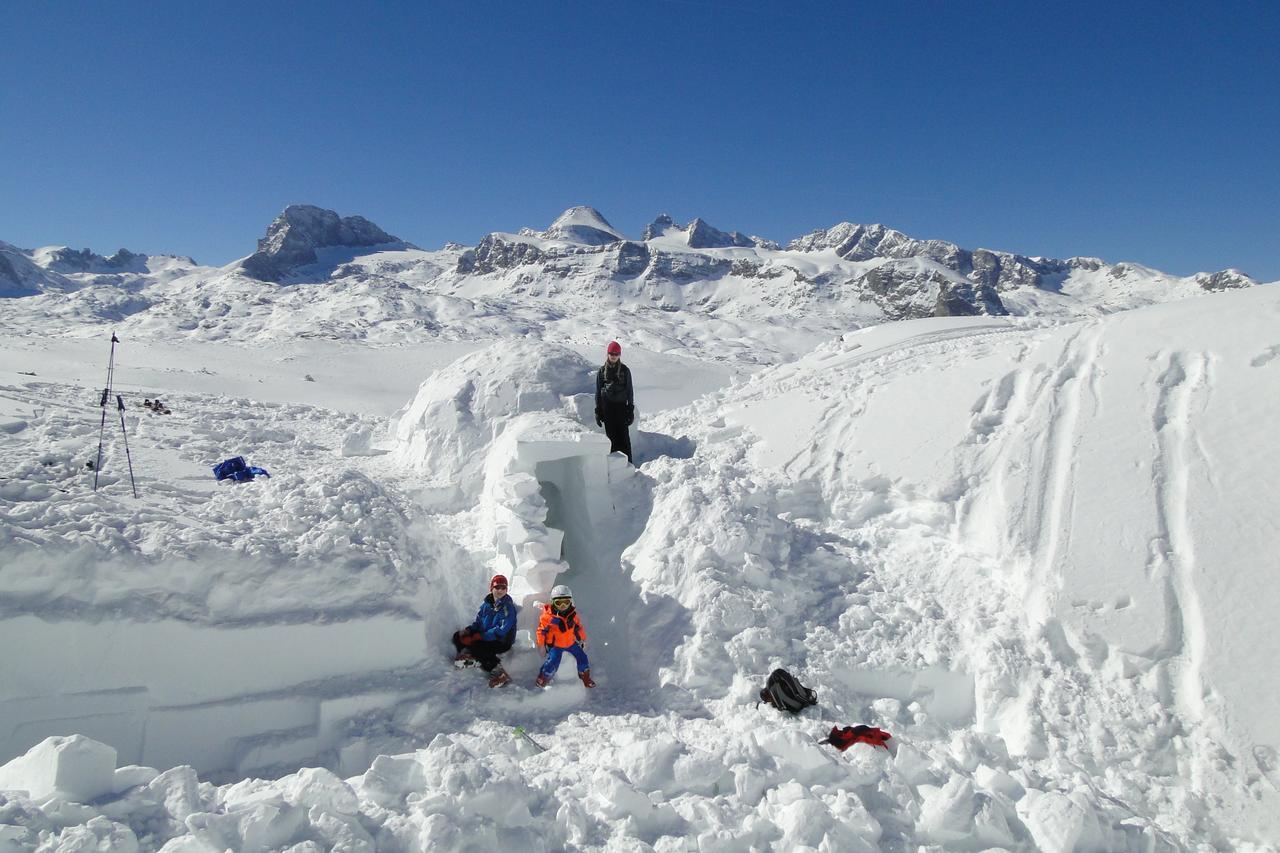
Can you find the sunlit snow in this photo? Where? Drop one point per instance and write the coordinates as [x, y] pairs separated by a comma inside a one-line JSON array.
[[1039, 550]]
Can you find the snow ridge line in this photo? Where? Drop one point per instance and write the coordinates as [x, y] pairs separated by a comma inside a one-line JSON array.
[[1173, 552]]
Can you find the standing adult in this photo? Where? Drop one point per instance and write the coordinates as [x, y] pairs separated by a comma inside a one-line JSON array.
[[615, 400], [491, 634]]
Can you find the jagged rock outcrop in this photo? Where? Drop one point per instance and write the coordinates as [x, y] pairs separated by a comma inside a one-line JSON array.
[[1224, 280], [659, 227], [699, 235], [493, 254], [68, 260], [995, 271], [294, 236], [703, 236], [908, 288]]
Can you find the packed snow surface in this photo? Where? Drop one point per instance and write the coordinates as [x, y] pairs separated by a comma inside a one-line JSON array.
[[1039, 552]]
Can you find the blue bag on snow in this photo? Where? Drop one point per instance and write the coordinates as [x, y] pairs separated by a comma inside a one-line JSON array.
[[238, 470], [230, 467]]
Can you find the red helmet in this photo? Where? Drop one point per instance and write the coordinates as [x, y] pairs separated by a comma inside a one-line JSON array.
[[498, 580], [614, 348]]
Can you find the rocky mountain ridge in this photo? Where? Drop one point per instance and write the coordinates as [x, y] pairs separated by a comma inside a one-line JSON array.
[[353, 279], [295, 235]]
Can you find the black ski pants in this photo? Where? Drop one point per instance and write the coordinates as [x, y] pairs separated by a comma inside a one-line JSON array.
[[615, 426], [484, 651]]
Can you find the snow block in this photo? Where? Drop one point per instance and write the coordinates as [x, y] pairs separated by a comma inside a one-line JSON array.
[[798, 753], [358, 442], [947, 813], [1058, 822], [131, 776], [179, 789], [315, 787], [391, 779], [258, 828], [98, 834], [74, 768]]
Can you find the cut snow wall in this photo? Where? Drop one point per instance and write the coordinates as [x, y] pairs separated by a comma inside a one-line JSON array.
[[167, 693], [529, 551]]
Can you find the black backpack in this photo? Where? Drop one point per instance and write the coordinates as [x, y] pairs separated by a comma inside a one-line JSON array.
[[783, 692]]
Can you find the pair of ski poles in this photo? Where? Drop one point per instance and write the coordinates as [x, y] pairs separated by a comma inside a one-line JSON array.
[[106, 395]]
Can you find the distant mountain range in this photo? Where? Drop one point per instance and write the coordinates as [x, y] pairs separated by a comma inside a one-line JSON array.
[[345, 277]]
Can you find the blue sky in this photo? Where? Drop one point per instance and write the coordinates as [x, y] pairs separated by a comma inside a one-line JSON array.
[[1129, 131]]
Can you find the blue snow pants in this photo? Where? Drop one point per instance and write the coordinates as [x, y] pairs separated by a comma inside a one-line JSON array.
[[552, 663]]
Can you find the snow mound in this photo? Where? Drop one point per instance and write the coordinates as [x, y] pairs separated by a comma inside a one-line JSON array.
[[444, 433]]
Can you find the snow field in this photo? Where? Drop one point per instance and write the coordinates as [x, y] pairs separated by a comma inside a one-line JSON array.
[[993, 538]]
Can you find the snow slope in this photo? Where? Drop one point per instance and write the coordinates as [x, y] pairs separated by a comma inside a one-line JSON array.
[[1035, 551]]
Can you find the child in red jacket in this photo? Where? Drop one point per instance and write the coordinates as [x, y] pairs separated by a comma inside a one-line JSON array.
[[560, 630]]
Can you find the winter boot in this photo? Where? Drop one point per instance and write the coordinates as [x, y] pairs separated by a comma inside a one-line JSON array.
[[464, 659], [585, 675], [541, 680], [499, 678]]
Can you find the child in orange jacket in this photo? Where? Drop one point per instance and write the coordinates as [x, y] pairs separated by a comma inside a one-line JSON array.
[[560, 630]]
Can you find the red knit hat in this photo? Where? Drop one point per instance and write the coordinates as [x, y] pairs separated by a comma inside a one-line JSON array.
[[614, 348], [498, 579]]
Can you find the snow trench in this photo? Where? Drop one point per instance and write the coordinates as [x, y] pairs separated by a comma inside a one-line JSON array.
[[224, 699]]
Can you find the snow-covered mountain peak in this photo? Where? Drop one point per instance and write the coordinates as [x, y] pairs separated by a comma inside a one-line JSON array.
[[698, 234], [854, 241], [583, 224], [63, 259], [293, 237]]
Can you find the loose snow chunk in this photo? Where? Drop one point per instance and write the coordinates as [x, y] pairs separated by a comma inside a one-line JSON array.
[[358, 442], [947, 813], [131, 776], [258, 828], [76, 768], [1057, 822], [795, 752], [179, 789], [98, 834], [342, 832], [391, 779], [618, 800], [320, 788]]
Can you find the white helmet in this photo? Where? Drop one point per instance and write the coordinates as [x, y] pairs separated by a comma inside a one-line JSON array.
[[561, 591]]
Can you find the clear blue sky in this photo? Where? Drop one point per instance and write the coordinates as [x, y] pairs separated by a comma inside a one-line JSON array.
[[1130, 131]]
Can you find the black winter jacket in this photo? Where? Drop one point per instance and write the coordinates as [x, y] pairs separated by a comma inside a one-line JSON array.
[[613, 389]]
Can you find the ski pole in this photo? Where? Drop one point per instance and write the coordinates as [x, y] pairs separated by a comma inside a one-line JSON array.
[[120, 401], [106, 394], [519, 732]]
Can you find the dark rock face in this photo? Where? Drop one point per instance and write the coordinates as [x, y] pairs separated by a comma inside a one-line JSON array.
[[493, 254], [992, 271], [72, 261], [633, 259], [900, 289], [686, 267], [10, 284], [1224, 280], [294, 236], [700, 235], [703, 236], [968, 300], [658, 227]]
